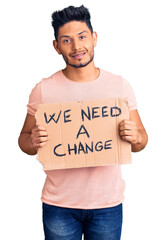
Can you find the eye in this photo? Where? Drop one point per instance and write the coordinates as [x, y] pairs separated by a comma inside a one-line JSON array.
[[66, 41], [82, 37]]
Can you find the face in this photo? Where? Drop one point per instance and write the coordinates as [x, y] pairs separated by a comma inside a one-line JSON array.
[[76, 44]]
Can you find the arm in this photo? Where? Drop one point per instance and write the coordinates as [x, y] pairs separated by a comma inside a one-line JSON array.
[[133, 131], [32, 137]]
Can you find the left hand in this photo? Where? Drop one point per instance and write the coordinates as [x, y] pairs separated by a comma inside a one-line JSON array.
[[129, 132]]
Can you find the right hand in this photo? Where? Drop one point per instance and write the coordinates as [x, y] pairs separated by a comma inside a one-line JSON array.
[[39, 137]]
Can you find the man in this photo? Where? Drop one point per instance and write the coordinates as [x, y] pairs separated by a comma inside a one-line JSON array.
[[82, 200]]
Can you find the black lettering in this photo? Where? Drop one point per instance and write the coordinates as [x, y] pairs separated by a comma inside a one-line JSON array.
[[98, 146], [72, 149], [80, 148], [103, 112], [52, 117], [113, 111], [89, 148], [59, 155], [107, 145], [94, 113], [88, 116], [67, 116], [85, 131]]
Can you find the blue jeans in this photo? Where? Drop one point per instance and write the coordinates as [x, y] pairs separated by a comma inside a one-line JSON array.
[[69, 223]]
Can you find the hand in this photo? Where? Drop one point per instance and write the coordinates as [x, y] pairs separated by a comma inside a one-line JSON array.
[[39, 137], [129, 132]]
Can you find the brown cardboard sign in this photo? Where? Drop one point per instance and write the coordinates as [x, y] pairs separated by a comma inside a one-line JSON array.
[[83, 134]]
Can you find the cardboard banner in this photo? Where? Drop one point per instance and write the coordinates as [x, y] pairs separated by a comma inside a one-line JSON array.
[[83, 134]]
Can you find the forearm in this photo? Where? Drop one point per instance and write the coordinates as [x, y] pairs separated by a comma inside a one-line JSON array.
[[140, 146], [25, 143]]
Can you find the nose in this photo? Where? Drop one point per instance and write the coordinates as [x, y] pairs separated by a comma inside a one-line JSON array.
[[76, 45]]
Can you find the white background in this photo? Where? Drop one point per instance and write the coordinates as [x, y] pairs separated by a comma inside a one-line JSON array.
[[132, 43]]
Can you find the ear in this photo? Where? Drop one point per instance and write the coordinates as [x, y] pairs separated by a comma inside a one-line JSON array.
[[55, 45], [94, 38]]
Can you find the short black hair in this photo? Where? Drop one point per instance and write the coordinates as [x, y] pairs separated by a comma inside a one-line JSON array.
[[71, 13]]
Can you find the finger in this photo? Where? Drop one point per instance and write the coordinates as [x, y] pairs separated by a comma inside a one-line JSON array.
[[38, 128], [40, 140], [127, 138], [43, 139], [126, 133], [126, 127], [41, 127], [41, 134], [40, 145], [127, 122]]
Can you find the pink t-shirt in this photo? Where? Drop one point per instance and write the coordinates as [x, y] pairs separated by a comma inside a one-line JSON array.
[[91, 187]]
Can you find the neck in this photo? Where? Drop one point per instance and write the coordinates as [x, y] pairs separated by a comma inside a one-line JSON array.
[[83, 74]]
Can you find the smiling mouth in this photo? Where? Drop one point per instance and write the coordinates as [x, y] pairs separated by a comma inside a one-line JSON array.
[[79, 55]]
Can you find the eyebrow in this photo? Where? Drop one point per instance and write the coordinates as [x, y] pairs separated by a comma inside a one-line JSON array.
[[66, 36], [82, 32]]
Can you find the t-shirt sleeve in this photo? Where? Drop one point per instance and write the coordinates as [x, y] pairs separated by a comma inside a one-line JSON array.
[[129, 94], [35, 98]]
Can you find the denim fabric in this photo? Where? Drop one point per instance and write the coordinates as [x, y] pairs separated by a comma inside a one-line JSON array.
[[70, 224]]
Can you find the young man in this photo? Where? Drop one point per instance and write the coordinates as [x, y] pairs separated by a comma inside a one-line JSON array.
[[83, 200]]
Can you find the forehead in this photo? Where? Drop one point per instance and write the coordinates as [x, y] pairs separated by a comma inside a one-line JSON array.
[[73, 28]]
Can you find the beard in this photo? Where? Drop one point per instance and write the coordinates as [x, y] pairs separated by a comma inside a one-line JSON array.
[[79, 65]]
